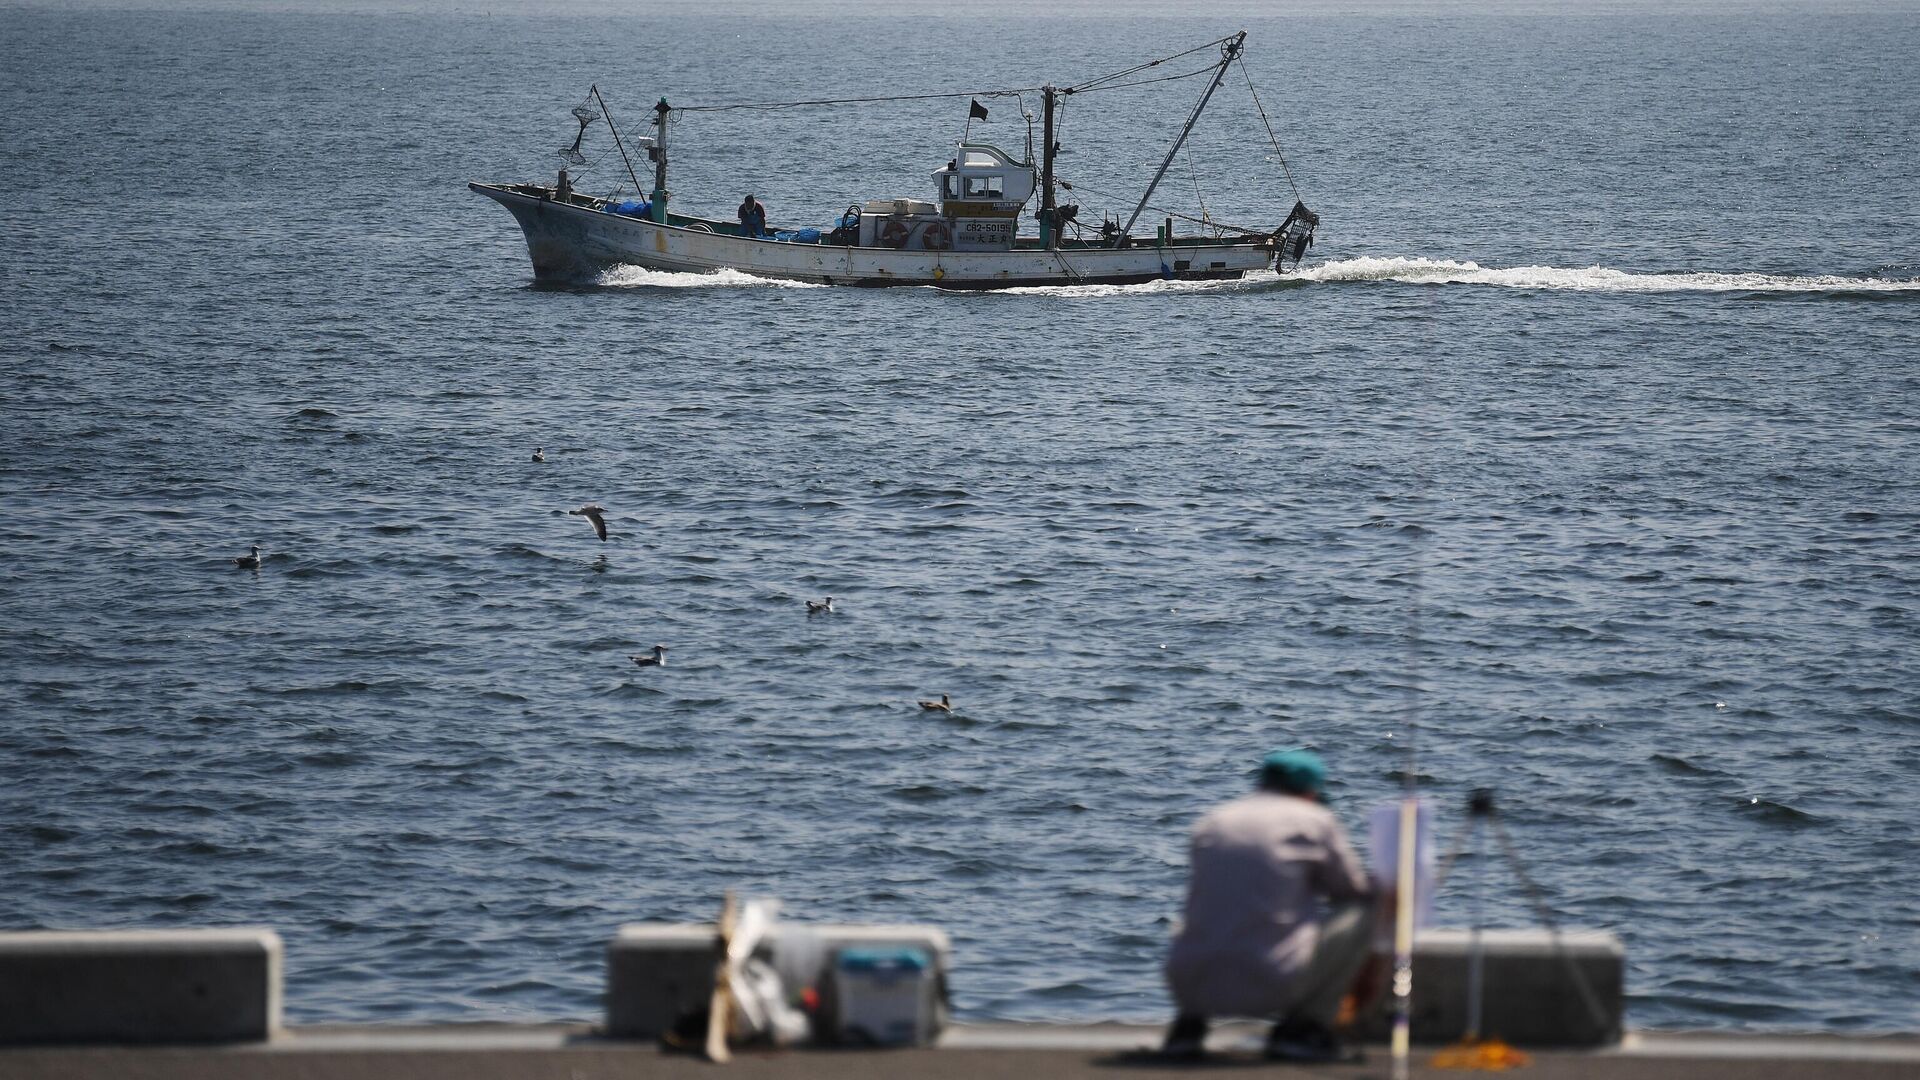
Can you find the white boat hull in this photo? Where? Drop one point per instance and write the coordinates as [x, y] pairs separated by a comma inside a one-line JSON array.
[[572, 241]]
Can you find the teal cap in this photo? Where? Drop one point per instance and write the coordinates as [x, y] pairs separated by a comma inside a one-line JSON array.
[[1298, 771]]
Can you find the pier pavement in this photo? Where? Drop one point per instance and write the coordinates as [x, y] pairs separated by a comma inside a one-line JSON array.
[[1027, 1051]]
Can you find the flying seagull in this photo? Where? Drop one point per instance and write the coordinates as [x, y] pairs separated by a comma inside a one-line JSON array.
[[943, 705], [539, 455], [658, 659], [820, 607], [249, 561], [592, 512]]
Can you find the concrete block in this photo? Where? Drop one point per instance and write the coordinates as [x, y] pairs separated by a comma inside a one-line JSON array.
[[660, 972], [139, 986], [1530, 997]]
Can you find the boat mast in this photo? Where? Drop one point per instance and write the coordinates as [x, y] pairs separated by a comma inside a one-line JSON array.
[[1228, 51], [1049, 228], [594, 90], [658, 151]]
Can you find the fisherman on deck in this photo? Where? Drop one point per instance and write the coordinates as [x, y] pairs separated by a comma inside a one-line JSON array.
[[753, 217], [1278, 918]]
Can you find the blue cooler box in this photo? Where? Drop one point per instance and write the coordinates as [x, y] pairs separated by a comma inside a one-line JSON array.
[[886, 996]]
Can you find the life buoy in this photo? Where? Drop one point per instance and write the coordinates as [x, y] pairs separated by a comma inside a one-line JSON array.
[[937, 237], [894, 235]]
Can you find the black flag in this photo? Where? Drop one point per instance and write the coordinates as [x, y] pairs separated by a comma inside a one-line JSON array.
[[977, 111]]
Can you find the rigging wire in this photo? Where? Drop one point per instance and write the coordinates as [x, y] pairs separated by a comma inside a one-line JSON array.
[[1099, 83], [1271, 137], [1148, 82], [1091, 84], [615, 132], [1206, 216], [1220, 225], [772, 105]]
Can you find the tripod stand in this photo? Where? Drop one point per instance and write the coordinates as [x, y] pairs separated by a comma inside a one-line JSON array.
[[1483, 820]]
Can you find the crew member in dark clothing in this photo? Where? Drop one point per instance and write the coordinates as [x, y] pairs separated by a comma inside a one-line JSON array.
[[753, 217]]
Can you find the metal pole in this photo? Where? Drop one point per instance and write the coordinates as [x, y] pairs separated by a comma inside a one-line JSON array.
[[1049, 228], [1476, 949], [659, 154], [1230, 50], [608, 113], [1480, 821]]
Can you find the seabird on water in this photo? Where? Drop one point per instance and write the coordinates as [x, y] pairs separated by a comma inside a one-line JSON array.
[[820, 607], [943, 705], [658, 659], [592, 512], [539, 455], [250, 561]]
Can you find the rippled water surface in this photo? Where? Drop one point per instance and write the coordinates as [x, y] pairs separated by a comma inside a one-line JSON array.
[[1589, 427]]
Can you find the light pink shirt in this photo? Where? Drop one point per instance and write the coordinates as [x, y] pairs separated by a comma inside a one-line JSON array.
[[1263, 868]]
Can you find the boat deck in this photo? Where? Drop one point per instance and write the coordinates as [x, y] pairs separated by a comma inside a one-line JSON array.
[[783, 235]]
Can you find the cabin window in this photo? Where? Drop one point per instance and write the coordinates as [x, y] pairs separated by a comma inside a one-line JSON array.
[[953, 186], [977, 159], [984, 187]]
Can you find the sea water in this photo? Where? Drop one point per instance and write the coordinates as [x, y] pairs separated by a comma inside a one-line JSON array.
[[1577, 462]]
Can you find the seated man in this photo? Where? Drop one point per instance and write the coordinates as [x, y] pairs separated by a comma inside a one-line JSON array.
[[1278, 922], [753, 217]]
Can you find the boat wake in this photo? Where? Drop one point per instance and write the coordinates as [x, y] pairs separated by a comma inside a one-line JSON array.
[[1589, 279], [1149, 288], [628, 277], [1397, 269]]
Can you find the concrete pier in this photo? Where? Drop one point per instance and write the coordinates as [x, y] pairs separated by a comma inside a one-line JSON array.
[[1097, 1052], [1536, 988], [205, 1005], [658, 972], [154, 986]]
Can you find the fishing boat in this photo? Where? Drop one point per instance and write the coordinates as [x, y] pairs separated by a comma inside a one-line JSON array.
[[966, 237]]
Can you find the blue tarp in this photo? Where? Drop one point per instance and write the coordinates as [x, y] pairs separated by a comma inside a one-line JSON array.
[[803, 236], [631, 208]]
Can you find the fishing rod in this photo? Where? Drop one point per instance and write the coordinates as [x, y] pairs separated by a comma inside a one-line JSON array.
[[1405, 882]]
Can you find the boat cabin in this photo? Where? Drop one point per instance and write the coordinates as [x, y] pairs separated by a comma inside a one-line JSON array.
[[982, 190]]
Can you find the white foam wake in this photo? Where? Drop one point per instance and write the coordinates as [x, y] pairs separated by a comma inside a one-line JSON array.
[[1395, 268], [622, 277], [1145, 288], [1589, 279]]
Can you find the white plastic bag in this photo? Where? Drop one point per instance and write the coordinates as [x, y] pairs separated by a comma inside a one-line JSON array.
[[760, 1007]]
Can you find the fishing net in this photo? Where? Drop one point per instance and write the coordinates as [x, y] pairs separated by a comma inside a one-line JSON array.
[[571, 154]]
